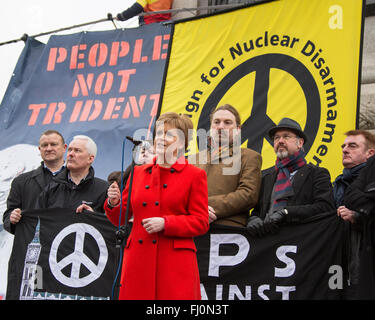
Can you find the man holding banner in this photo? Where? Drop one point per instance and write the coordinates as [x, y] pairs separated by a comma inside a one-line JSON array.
[[360, 197], [294, 190], [359, 145], [26, 187], [76, 187]]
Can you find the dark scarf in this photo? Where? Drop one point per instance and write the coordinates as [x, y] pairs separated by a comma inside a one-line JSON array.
[[217, 151], [283, 187], [343, 181]]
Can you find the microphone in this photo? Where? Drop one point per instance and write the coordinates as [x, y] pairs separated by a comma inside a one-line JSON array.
[[136, 142]]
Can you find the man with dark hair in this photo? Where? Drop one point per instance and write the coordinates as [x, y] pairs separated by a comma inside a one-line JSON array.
[[360, 197], [293, 190], [233, 173], [26, 188], [359, 145]]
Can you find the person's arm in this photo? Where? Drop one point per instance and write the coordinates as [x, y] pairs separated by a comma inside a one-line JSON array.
[[14, 201], [112, 204], [102, 186], [131, 12], [360, 195], [260, 207], [42, 201], [194, 223], [321, 198]]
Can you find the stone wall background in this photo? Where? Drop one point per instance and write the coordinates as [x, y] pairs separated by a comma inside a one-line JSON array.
[[367, 101]]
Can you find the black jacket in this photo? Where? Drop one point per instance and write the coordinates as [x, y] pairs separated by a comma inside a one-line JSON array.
[[24, 192], [354, 231], [360, 195], [62, 193], [312, 193]]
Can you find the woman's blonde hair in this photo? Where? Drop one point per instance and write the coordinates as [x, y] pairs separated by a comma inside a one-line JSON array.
[[178, 121]]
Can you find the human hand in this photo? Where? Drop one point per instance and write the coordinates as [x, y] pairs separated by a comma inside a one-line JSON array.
[[82, 207], [211, 215], [119, 17], [153, 225], [255, 226], [346, 214], [272, 220], [114, 194], [15, 216]]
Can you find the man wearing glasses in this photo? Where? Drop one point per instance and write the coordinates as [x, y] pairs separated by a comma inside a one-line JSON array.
[[293, 190]]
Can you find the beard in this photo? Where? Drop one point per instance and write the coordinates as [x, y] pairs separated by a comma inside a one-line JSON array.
[[282, 154], [225, 138], [220, 138]]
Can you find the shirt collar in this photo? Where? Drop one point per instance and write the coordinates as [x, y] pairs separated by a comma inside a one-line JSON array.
[[178, 165], [55, 172], [71, 181]]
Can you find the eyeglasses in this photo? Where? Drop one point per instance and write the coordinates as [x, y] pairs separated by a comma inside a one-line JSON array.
[[284, 136]]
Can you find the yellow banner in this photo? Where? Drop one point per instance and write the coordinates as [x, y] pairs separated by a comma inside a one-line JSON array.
[[297, 59]]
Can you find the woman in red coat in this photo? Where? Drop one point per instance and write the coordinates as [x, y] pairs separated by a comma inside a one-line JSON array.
[[169, 204]]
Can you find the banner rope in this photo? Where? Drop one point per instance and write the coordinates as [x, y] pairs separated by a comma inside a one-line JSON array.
[[110, 18]]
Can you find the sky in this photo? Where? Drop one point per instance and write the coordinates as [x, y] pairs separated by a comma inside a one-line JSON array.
[[37, 16]]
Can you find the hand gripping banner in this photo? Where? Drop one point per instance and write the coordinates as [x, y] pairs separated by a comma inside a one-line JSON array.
[[301, 262], [58, 254]]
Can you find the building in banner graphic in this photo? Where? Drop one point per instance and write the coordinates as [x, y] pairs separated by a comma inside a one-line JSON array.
[[61, 296], [30, 269], [31, 273]]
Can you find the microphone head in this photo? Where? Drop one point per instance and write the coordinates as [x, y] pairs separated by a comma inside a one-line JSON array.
[[146, 145], [136, 142]]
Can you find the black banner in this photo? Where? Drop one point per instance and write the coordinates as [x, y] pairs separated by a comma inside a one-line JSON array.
[[301, 261], [61, 255], [58, 254]]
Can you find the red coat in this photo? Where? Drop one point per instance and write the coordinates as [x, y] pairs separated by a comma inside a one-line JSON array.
[[163, 265]]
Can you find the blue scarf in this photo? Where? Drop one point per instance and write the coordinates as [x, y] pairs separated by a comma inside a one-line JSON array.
[[343, 181]]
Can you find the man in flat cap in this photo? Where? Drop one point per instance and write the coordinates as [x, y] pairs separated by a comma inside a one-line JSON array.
[[292, 190]]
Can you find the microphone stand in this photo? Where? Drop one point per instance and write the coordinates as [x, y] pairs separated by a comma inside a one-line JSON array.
[[123, 231]]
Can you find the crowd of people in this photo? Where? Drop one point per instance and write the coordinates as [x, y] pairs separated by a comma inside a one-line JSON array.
[[174, 198]]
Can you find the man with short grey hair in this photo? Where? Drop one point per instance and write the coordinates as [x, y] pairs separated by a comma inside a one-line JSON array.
[[76, 187]]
